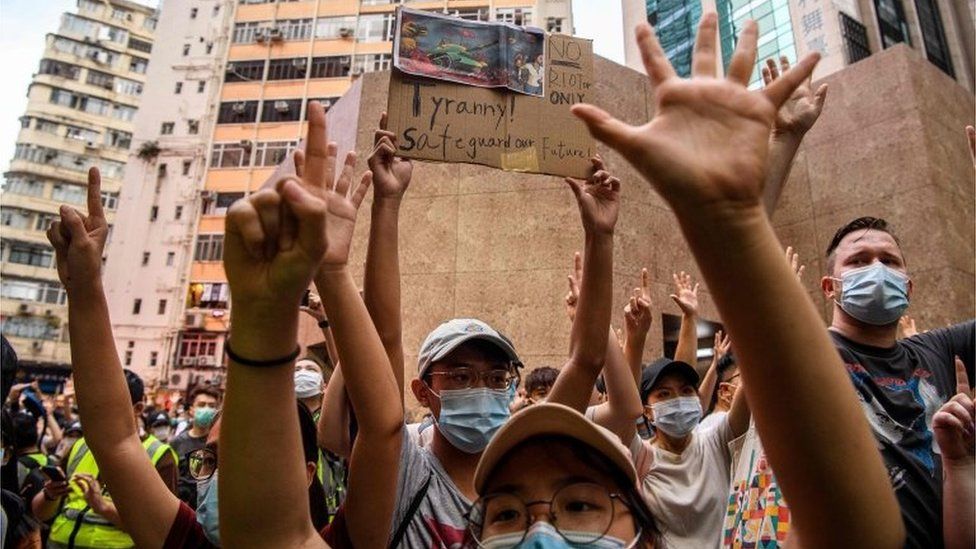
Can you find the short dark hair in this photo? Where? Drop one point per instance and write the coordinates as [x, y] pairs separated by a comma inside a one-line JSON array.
[[865, 223], [203, 390], [724, 365], [540, 378], [25, 430], [137, 389]]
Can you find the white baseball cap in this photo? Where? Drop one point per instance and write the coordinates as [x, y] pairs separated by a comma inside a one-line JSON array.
[[449, 335]]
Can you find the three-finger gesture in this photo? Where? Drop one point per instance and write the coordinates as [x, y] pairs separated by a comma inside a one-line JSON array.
[[598, 198], [637, 312], [79, 240], [575, 281], [793, 259]]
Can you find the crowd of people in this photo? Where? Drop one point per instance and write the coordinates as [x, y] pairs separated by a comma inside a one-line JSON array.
[[795, 435]]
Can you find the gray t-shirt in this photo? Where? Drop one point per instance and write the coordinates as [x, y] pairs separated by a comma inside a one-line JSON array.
[[439, 520]]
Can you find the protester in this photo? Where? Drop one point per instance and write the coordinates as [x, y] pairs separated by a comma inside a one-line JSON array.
[[204, 404], [954, 425], [717, 198], [903, 382], [18, 529], [161, 426], [537, 383], [720, 382], [309, 385]]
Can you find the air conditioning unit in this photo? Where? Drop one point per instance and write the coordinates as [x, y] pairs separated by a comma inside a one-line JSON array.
[[91, 144], [326, 103], [23, 309], [357, 72], [299, 63], [246, 144], [207, 361], [346, 32], [187, 361], [208, 195], [275, 34], [231, 67], [281, 106], [239, 107], [193, 320], [37, 346], [261, 35]]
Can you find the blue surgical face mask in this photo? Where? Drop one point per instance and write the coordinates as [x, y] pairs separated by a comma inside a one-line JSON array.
[[207, 508], [470, 417], [876, 294], [543, 535], [677, 416], [204, 417]]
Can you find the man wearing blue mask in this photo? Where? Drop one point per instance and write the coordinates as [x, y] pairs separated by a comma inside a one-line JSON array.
[[204, 402], [902, 383]]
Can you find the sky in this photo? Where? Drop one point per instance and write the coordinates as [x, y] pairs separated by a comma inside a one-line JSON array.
[[25, 23]]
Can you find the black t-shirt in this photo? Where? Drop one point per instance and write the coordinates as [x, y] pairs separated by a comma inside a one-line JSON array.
[[900, 389], [184, 444]]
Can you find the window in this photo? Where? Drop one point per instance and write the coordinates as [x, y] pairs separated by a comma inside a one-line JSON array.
[[515, 16], [224, 200], [39, 291], [140, 45], [167, 128], [72, 24], [128, 87], [110, 200], [287, 69], [371, 62], [81, 134], [208, 295], [101, 79], [118, 138], [149, 23], [335, 27], [216, 9], [161, 171], [170, 258], [554, 24], [186, 166], [186, 50], [272, 153], [59, 68], [375, 27], [229, 155], [123, 112], [891, 23], [192, 127], [194, 344], [244, 71], [933, 35], [325, 101], [153, 213], [331, 67], [161, 307], [153, 358], [296, 29], [210, 247], [15, 218], [179, 88], [46, 126], [138, 65], [29, 254], [128, 358], [25, 187], [245, 33], [193, 13], [201, 85], [31, 327], [145, 258], [281, 110], [130, 344], [74, 194], [178, 214], [855, 38], [209, 48], [121, 15], [136, 306], [238, 112], [43, 221]]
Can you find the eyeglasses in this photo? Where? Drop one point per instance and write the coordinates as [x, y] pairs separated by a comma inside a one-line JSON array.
[[465, 377], [581, 512], [202, 463]]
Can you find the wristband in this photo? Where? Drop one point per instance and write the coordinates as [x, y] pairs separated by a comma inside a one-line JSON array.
[[261, 363], [324, 323]]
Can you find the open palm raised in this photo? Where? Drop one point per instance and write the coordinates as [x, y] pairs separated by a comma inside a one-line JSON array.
[[707, 142]]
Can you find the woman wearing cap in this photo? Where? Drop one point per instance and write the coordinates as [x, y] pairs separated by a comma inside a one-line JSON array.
[[552, 478]]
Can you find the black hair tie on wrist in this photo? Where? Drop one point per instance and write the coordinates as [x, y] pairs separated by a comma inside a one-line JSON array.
[[261, 363], [324, 323]]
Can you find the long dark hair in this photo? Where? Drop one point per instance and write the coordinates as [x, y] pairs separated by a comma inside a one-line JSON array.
[[726, 363], [316, 492]]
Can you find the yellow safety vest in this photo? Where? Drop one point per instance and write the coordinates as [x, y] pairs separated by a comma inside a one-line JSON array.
[[94, 530], [40, 458]]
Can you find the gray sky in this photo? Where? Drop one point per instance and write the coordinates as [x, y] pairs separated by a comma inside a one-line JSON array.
[[24, 23]]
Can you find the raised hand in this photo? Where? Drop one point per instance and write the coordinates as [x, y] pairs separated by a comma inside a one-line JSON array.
[[721, 345], [598, 198], [637, 312], [391, 174], [686, 294], [314, 308], [907, 325], [79, 240], [803, 107], [793, 259], [575, 281], [953, 424], [708, 141]]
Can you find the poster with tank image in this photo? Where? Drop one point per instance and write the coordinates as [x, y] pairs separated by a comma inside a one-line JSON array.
[[490, 55]]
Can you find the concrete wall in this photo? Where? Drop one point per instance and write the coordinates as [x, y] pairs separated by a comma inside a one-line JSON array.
[[496, 245]]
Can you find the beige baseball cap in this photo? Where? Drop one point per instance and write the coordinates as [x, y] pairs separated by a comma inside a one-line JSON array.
[[550, 419]]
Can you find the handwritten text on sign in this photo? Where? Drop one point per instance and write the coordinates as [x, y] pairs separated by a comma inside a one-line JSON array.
[[450, 122]]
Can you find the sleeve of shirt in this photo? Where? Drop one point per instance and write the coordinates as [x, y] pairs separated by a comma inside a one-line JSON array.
[[414, 470], [718, 437], [642, 455], [956, 340], [186, 531]]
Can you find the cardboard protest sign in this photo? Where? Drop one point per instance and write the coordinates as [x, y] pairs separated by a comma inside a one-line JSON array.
[[494, 55], [452, 122]]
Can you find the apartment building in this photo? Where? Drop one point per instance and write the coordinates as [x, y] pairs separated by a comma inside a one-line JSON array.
[[842, 31], [148, 260], [81, 105]]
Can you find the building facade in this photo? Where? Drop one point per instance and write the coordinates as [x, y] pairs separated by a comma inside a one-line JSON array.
[[842, 31], [81, 105], [149, 258]]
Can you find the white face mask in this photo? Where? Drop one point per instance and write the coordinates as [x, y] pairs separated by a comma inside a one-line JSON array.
[[677, 416], [308, 383], [162, 432]]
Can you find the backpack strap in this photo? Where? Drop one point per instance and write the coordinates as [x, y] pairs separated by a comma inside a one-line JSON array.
[[411, 511]]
